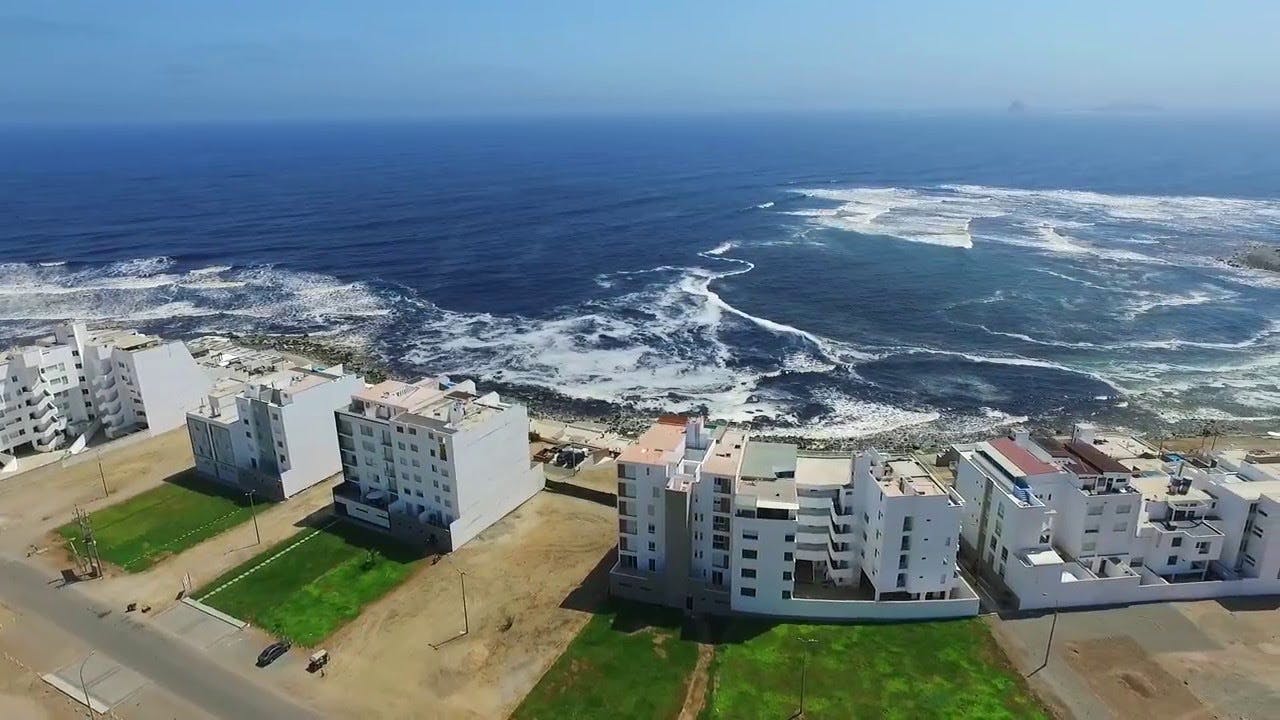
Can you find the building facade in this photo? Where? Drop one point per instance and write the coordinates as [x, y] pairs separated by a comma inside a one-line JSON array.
[[432, 462], [79, 380], [1103, 518], [274, 435], [710, 520]]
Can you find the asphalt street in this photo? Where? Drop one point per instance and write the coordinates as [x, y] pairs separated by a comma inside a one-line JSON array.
[[178, 668]]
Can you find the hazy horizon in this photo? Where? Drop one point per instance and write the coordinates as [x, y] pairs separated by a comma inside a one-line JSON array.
[[136, 61]]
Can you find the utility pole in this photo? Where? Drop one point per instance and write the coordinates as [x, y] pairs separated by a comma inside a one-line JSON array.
[[804, 662], [254, 512], [466, 623], [90, 543], [103, 476], [84, 687], [1048, 646]]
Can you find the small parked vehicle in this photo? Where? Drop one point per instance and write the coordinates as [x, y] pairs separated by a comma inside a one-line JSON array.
[[318, 659], [273, 652]]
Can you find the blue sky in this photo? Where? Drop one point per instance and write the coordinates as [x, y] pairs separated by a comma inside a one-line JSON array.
[[71, 60]]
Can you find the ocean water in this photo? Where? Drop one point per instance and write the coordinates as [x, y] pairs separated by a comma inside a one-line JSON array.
[[836, 275]]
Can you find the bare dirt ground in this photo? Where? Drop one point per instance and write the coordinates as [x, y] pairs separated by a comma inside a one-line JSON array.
[[531, 580], [1206, 659], [22, 693], [1224, 442], [34, 502]]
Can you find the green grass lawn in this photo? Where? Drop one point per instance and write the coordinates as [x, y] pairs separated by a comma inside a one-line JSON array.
[[316, 587], [141, 531], [946, 669], [628, 662]]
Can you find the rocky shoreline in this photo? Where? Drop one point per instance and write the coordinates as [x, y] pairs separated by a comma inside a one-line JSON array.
[[625, 418], [1258, 257]]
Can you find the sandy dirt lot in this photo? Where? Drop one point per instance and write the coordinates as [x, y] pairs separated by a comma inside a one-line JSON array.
[[530, 584], [31, 503], [1224, 442], [22, 693], [1191, 660]]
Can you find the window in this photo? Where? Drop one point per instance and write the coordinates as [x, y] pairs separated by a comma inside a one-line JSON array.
[[413, 447], [1173, 560], [650, 511], [1095, 509], [747, 592], [445, 487], [281, 458], [653, 546], [788, 538], [1177, 542], [902, 562], [1000, 510], [1124, 509], [906, 543], [906, 524], [652, 529], [413, 431], [750, 535], [1202, 548], [786, 556], [749, 554], [656, 491], [1089, 546], [748, 572], [786, 594], [1004, 554], [902, 580], [653, 565], [400, 429], [786, 574], [400, 444]]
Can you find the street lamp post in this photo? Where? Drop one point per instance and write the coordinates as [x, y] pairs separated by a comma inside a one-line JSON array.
[[804, 667], [103, 477], [87, 703], [254, 512], [1048, 646]]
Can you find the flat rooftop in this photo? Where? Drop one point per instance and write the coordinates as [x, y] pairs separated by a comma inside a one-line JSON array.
[[824, 470], [1044, 557], [769, 493], [656, 446], [726, 454], [905, 476], [1156, 489], [401, 395], [769, 460]]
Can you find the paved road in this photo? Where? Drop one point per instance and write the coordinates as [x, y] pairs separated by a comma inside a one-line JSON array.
[[178, 668]]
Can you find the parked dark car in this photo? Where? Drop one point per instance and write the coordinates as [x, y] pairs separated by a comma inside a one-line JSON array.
[[273, 652]]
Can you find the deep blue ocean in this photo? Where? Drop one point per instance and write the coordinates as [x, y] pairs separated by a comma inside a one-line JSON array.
[[834, 275]]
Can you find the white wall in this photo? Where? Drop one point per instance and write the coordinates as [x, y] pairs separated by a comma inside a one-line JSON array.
[[170, 383], [493, 472], [310, 435]]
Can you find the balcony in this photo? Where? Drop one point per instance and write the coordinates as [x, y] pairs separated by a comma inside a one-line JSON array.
[[1199, 529], [627, 527], [371, 507]]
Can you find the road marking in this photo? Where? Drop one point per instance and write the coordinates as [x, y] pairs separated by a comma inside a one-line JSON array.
[[264, 563]]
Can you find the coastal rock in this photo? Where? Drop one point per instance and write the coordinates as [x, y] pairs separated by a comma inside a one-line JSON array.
[[1258, 257]]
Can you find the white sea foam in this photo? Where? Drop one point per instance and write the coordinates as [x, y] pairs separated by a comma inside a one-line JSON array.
[[765, 205], [958, 215]]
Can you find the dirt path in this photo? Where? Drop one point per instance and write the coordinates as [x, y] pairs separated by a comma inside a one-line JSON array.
[[696, 696]]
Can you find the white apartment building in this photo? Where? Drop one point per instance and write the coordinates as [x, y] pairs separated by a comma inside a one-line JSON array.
[[433, 462], [712, 521], [1101, 518], [77, 380], [274, 435]]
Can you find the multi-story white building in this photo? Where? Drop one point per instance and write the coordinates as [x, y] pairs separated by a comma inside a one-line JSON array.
[[712, 521], [78, 380], [274, 435], [1102, 518], [433, 461]]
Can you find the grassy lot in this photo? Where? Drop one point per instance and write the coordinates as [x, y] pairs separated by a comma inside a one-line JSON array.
[[143, 530], [628, 662], [947, 669], [315, 587]]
